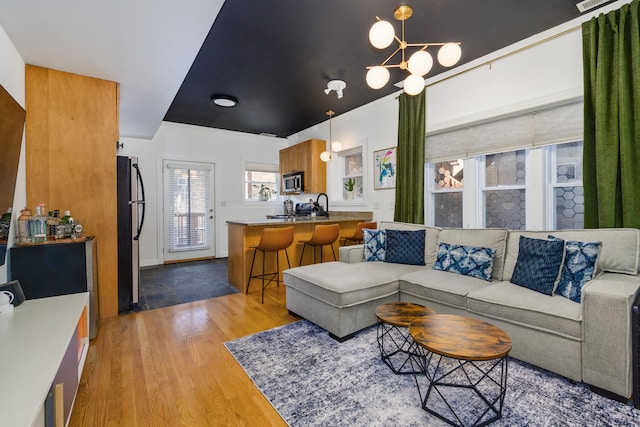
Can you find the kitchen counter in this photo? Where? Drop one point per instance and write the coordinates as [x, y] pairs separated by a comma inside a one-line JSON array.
[[246, 233], [333, 217]]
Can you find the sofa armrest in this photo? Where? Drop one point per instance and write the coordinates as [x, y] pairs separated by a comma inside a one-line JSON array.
[[350, 254], [606, 332]]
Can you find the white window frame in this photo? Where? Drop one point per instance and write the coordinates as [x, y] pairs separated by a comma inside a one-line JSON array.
[[482, 188], [552, 184], [338, 193], [268, 167], [432, 190]]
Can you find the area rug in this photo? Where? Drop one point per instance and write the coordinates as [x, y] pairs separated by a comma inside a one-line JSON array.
[[312, 380]]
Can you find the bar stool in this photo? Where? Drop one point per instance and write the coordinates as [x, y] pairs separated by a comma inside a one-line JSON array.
[[323, 234], [271, 240], [356, 237]]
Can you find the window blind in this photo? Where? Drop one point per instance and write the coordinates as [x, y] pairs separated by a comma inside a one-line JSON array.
[[551, 125]]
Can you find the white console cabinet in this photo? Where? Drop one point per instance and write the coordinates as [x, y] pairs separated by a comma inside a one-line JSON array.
[[43, 347]]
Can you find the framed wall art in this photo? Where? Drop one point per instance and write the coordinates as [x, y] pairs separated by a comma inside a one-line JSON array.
[[384, 168]]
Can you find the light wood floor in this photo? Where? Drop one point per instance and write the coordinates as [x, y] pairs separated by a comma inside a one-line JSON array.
[[169, 367]]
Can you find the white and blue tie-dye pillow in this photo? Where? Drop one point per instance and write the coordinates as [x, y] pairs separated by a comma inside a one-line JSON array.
[[375, 244], [579, 267], [466, 260]]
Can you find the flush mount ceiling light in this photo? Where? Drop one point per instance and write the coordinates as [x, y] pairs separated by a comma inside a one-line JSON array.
[[382, 34], [325, 156], [226, 101], [337, 85]]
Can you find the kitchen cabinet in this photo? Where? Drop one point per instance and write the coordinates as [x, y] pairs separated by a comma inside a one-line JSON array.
[[43, 355], [70, 142], [58, 267], [305, 157]]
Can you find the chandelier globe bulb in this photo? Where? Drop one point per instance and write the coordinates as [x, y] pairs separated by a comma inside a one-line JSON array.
[[420, 63], [381, 34], [413, 84], [449, 54], [377, 77]]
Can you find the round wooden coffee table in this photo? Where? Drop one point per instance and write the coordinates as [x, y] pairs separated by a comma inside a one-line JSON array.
[[465, 363], [394, 341]]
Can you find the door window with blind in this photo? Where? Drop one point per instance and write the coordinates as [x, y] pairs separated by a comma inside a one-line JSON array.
[[188, 210]]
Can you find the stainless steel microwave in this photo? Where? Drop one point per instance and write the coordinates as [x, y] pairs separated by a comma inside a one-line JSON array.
[[293, 182]]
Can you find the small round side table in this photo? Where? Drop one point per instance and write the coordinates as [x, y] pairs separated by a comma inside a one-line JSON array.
[[394, 341]]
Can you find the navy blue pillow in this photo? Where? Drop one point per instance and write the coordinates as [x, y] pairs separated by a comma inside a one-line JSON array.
[[538, 264], [405, 247]]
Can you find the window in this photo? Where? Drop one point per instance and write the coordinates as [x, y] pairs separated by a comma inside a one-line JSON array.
[[259, 176], [352, 174], [445, 188], [504, 190], [566, 186]]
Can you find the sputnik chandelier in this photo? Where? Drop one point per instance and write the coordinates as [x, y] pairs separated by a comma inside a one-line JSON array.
[[382, 34]]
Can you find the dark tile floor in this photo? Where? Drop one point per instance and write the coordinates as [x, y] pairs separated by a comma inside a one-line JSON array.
[[172, 284]]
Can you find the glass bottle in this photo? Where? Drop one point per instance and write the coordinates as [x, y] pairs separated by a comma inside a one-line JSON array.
[[5, 224], [38, 225], [24, 235]]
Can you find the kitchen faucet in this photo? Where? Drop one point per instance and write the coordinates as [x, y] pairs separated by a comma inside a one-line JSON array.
[[327, 202]]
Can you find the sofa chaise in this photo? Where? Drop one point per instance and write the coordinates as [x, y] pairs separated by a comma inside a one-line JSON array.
[[588, 341]]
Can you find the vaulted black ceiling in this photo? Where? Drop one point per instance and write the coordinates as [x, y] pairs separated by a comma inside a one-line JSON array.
[[276, 56]]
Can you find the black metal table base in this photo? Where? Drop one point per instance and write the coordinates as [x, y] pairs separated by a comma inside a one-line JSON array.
[[397, 347], [461, 392]]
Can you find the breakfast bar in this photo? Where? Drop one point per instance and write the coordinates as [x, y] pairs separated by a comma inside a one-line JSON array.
[[246, 233]]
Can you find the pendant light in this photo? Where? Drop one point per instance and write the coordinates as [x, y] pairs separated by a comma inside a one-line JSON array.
[[334, 146]]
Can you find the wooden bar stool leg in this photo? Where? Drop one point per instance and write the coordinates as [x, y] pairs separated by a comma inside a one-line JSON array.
[[333, 252]]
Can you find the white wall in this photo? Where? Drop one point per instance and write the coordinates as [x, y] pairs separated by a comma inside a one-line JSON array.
[[226, 150], [542, 70], [545, 73], [12, 79]]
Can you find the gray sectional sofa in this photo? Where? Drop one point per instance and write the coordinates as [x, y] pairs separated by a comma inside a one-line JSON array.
[[588, 341]]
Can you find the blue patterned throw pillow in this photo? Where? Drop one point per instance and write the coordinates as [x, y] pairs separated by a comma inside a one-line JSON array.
[[538, 264], [405, 247], [579, 267], [375, 243], [466, 260]]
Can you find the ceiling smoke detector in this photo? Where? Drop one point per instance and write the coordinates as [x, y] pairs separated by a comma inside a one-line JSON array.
[[337, 85]]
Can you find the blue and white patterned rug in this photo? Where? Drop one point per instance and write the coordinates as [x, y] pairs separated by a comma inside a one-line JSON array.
[[312, 380]]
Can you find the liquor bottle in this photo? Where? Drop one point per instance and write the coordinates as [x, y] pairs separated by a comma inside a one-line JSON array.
[[68, 222], [5, 224], [38, 225]]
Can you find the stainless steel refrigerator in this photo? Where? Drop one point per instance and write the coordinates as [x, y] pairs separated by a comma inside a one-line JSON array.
[[131, 209]]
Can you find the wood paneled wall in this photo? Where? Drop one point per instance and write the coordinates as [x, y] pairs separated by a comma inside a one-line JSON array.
[[71, 132]]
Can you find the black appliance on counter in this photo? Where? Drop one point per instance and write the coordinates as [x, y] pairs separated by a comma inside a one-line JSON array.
[[131, 209], [306, 209]]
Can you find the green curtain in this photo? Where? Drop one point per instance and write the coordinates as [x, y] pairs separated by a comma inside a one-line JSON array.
[[410, 159], [611, 160]]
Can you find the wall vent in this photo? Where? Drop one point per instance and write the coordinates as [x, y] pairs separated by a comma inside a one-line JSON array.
[[585, 5]]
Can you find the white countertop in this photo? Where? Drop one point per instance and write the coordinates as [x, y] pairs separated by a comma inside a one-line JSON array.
[[33, 340]]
